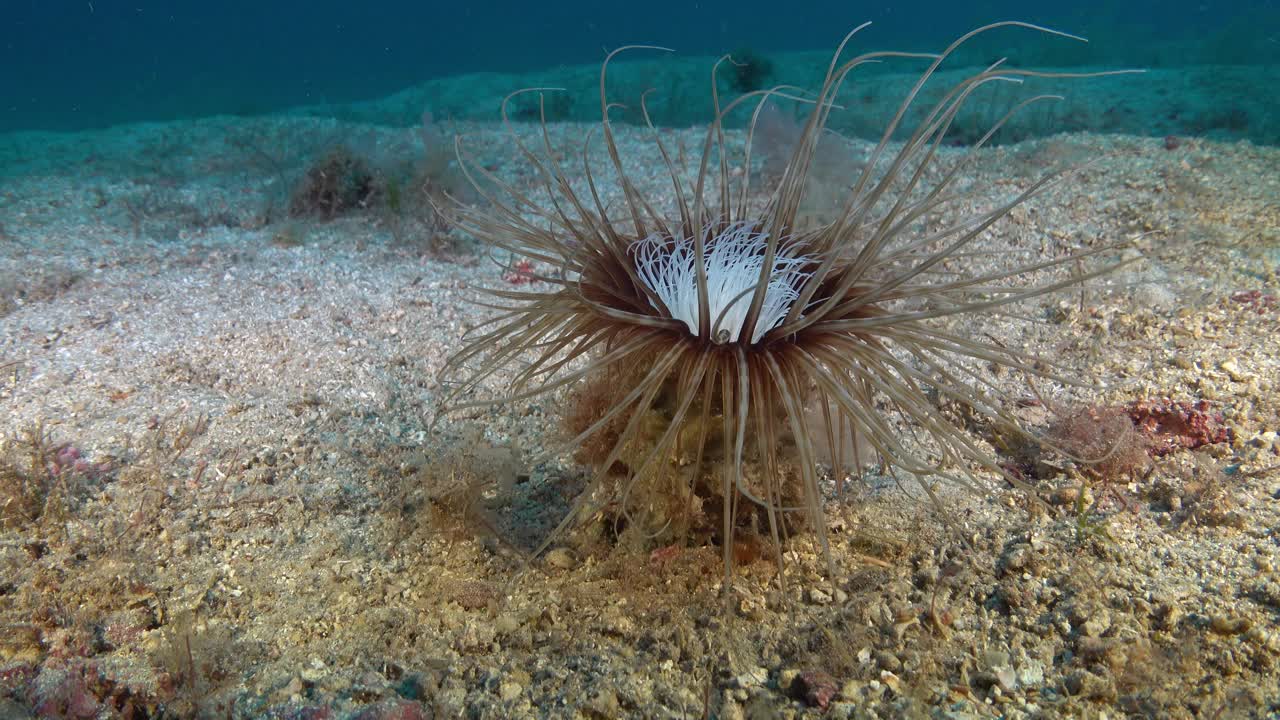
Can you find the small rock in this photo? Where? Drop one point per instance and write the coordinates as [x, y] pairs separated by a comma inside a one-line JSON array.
[[753, 677], [730, 710], [395, 710], [605, 704], [843, 711], [1167, 615], [888, 661], [819, 597], [1232, 369], [1229, 626], [995, 658], [815, 688], [315, 672], [1092, 648], [891, 681], [506, 624], [786, 677], [1018, 557], [561, 559], [614, 621], [984, 679], [1006, 678], [1156, 296], [1070, 495], [1088, 685], [1263, 639], [1098, 623], [509, 691], [1031, 673], [751, 608]]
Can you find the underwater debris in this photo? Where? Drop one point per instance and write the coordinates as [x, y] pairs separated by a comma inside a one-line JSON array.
[[1103, 439], [338, 183]]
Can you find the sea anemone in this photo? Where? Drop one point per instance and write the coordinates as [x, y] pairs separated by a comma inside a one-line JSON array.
[[718, 353]]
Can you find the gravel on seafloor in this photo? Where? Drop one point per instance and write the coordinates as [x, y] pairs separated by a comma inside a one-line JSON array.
[[249, 533]]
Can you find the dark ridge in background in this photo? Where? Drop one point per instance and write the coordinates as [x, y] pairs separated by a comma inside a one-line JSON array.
[[77, 64]]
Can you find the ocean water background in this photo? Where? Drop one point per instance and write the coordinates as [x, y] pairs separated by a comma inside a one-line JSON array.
[[92, 63]]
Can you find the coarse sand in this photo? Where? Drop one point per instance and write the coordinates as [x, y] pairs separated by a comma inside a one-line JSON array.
[[244, 503]]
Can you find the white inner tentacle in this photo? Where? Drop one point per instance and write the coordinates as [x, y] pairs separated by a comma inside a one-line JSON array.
[[733, 260]]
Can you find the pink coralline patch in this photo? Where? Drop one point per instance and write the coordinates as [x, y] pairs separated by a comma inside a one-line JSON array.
[[71, 696], [80, 689], [15, 677], [1173, 426], [663, 555], [70, 643], [122, 633], [816, 688], [68, 459], [1256, 300], [521, 273]]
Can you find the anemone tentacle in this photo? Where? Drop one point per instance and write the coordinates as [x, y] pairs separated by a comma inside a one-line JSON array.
[[719, 328]]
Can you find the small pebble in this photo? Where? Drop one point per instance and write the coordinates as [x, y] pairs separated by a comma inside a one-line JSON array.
[[815, 688], [753, 677], [509, 691], [561, 559], [1229, 626], [1031, 673]]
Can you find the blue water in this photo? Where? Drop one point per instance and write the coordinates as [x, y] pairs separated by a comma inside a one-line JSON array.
[[73, 64]]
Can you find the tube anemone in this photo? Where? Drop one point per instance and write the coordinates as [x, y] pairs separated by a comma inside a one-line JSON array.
[[738, 349]]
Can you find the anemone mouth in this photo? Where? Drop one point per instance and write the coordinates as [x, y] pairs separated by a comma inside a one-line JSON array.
[[732, 266]]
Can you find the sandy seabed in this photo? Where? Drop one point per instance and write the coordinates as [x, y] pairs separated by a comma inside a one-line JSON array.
[[232, 420]]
